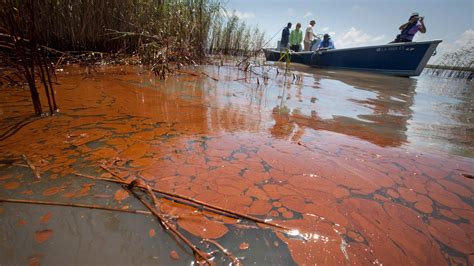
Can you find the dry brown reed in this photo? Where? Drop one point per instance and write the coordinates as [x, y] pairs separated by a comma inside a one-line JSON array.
[[163, 34], [457, 64], [230, 36], [20, 49]]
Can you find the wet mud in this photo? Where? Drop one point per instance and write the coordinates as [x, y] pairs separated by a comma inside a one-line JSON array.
[[362, 168]]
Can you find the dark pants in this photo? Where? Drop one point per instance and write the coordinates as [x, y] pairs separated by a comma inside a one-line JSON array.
[[295, 47], [399, 39]]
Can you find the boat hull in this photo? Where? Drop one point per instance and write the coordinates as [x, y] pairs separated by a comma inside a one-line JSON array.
[[399, 59], [295, 57]]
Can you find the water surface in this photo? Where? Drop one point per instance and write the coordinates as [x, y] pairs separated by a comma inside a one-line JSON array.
[[367, 169]]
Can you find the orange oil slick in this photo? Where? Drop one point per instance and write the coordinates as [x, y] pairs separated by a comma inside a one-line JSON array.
[[352, 188]]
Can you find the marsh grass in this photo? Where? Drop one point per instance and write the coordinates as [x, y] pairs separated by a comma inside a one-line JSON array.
[[230, 36], [457, 64], [20, 50], [38, 35]]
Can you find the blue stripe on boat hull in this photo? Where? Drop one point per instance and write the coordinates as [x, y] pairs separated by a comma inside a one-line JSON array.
[[400, 59]]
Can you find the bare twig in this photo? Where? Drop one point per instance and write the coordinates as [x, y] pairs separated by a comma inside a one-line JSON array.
[[196, 203], [152, 195], [101, 178], [27, 40], [30, 164], [196, 74], [166, 225], [20, 164], [234, 259], [112, 173], [209, 76], [86, 206]]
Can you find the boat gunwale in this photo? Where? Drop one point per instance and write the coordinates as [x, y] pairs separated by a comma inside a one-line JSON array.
[[361, 47]]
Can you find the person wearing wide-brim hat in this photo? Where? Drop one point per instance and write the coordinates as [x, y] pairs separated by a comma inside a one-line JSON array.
[[409, 29]]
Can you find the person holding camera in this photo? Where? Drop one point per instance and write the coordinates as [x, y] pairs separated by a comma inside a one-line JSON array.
[[415, 23]]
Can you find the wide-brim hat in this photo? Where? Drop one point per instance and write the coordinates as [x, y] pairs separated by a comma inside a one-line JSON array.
[[414, 14]]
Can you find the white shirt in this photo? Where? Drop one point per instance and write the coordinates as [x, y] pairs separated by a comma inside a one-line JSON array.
[[311, 34]]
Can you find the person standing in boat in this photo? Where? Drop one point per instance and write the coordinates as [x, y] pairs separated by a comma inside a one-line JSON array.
[[285, 36], [296, 37], [309, 36], [326, 43], [415, 23]]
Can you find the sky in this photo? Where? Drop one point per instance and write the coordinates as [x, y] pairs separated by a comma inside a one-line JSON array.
[[353, 23]]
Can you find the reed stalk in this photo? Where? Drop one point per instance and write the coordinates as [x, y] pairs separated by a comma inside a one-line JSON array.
[[167, 226], [194, 202], [78, 205], [456, 64]]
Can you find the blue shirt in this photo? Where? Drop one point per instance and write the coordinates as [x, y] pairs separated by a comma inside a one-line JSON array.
[[329, 44]]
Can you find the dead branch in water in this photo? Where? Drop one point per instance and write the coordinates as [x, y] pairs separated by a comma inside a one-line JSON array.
[[234, 259], [196, 74], [101, 178], [111, 172], [187, 72], [78, 205], [167, 226], [33, 168], [209, 76], [196, 203], [152, 195]]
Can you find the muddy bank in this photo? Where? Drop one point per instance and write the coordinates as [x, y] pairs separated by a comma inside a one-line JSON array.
[[362, 166]]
